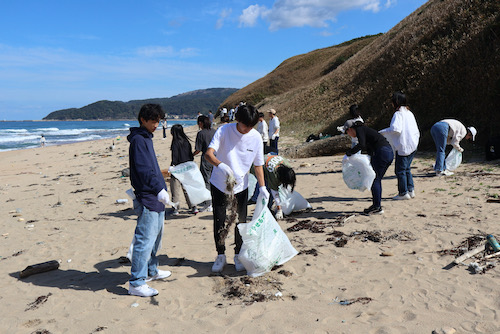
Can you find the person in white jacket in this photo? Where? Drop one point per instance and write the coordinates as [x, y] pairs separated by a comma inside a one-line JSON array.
[[449, 132], [403, 134]]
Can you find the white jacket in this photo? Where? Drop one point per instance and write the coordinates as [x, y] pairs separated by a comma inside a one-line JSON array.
[[403, 132]]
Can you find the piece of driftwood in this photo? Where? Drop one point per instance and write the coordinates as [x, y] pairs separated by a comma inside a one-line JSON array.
[[323, 147], [469, 254], [492, 255], [493, 200], [39, 268]]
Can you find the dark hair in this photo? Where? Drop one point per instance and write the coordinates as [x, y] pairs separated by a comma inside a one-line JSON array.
[[354, 111], [177, 132], [286, 176], [151, 111], [247, 114], [399, 99], [205, 122], [261, 114]]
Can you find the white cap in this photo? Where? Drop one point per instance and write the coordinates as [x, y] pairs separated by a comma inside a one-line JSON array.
[[473, 131]]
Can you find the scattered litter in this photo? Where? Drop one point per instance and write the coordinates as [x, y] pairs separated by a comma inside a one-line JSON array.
[[39, 301], [122, 201], [134, 305]]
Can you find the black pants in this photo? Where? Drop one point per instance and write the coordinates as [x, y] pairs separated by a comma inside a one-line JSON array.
[[219, 204]]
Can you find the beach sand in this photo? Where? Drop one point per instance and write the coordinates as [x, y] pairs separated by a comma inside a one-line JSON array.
[[354, 273]]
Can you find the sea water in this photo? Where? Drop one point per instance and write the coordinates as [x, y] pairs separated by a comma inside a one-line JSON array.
[[15, 135]]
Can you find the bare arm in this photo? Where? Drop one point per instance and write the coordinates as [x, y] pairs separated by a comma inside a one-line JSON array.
[[259, 173], [210, 157]]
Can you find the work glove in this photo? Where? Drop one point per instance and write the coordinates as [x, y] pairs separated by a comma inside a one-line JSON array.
[[164, 197], [459, 149], [228, 172], [273, 137], [279, 214], [264, 192]]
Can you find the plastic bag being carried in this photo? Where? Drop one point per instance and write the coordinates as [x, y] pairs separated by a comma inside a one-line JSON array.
[[453, 160], [192, 181], [357, 172], [292, 201], [265, 245]]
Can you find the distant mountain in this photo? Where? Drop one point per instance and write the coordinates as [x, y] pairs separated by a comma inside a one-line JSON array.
[[186, 105], [445, 56]]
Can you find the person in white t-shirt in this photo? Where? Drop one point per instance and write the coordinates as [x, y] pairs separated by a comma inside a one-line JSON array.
[[263, 130], [232, 151], [274, 130], [403, 134]]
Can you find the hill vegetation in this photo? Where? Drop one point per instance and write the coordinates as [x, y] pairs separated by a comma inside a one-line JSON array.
[[186, 105], [445, 57]]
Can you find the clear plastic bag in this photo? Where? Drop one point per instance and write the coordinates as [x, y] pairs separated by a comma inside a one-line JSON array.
[[192, 181], [265, 245], [291, 201], [454, 159], [357, 172]]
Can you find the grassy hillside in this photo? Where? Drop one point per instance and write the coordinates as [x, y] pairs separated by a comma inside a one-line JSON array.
[[445, 56]]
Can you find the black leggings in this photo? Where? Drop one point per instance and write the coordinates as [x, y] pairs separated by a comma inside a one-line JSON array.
[[219, 204]]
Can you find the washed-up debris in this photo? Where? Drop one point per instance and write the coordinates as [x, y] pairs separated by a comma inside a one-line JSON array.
[[316, 226], [362, 300], [340, 239], [39, 268], [81, 190], [312, 251], [39, 301]]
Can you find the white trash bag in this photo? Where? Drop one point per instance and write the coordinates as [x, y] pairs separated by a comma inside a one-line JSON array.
[[357, 172], [192, 181], [265, 245], [291, 201], [453, 160], [252, 183]]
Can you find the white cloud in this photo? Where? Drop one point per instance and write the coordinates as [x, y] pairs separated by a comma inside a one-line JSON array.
[[166, 52], [298, 13], [222, 17]]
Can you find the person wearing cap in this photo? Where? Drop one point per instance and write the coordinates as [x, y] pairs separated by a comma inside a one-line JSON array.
[[274, 130], [403, 134], [449, 132], [381, 153]]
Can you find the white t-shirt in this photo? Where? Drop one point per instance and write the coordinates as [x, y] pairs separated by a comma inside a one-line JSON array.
[[274, 124], [403, 132], [456, 132], [263, 130], [238, 151]]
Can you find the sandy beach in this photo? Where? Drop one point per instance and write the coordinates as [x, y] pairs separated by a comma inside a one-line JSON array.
[[354, 274]]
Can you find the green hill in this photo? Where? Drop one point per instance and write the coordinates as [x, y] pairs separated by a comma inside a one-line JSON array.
[[186, 105], [445, 56]]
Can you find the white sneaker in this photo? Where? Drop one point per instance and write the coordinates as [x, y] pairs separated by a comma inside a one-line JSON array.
[[142, 291], [194, 210], [237, 263], [219, 263], [448, 173], [162, 274], [207, 208], [402, 197], [412, 193]]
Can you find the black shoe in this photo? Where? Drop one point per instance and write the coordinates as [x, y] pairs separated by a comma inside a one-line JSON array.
[[250, 202], [372, 210]]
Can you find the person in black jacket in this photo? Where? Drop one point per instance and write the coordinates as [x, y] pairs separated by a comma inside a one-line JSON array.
[[181, 152], [151, 197], [381, 153]]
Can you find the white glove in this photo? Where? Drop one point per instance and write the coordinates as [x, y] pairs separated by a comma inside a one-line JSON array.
[[279, 214], [164, 197], [459, 149], [264, 192], [228, 172], [273, 137]]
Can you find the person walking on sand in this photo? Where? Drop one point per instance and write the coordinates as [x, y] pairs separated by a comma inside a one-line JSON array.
[[181, 152], [449, 132], [381, 157], [232, 151], [42, 141], [203, 139], [151, 197], [274, 130], [164, 126], [404, 135]]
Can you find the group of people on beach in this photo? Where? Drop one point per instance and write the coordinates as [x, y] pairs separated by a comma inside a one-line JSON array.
[[400, 141], [230, 152]]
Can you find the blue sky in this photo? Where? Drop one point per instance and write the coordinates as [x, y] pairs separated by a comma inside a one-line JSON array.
[[57, 54]]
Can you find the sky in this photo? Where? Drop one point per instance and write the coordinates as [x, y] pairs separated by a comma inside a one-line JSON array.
[[58, 54]]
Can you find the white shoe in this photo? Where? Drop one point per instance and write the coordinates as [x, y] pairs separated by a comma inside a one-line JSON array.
[[448, 173], [142, 291], [219, 263], [237, 263], [161, 274], [412, 193], [402, 197], [207, 208]]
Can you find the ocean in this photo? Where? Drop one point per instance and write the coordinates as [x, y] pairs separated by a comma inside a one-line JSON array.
[[16, 135]]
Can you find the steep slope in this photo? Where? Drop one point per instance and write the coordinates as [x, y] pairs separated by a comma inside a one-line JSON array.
[[445, 56]]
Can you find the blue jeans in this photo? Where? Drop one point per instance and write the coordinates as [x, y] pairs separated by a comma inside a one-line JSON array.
[[380, 162], [439, 132], [403, 173], [274, 144], [148, 233]]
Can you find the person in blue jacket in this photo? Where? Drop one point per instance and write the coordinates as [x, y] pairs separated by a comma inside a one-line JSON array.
[[151, 198]]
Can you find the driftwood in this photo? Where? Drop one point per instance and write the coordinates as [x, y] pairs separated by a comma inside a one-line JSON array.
[[323, 147], [39, 268], [469, 254]]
